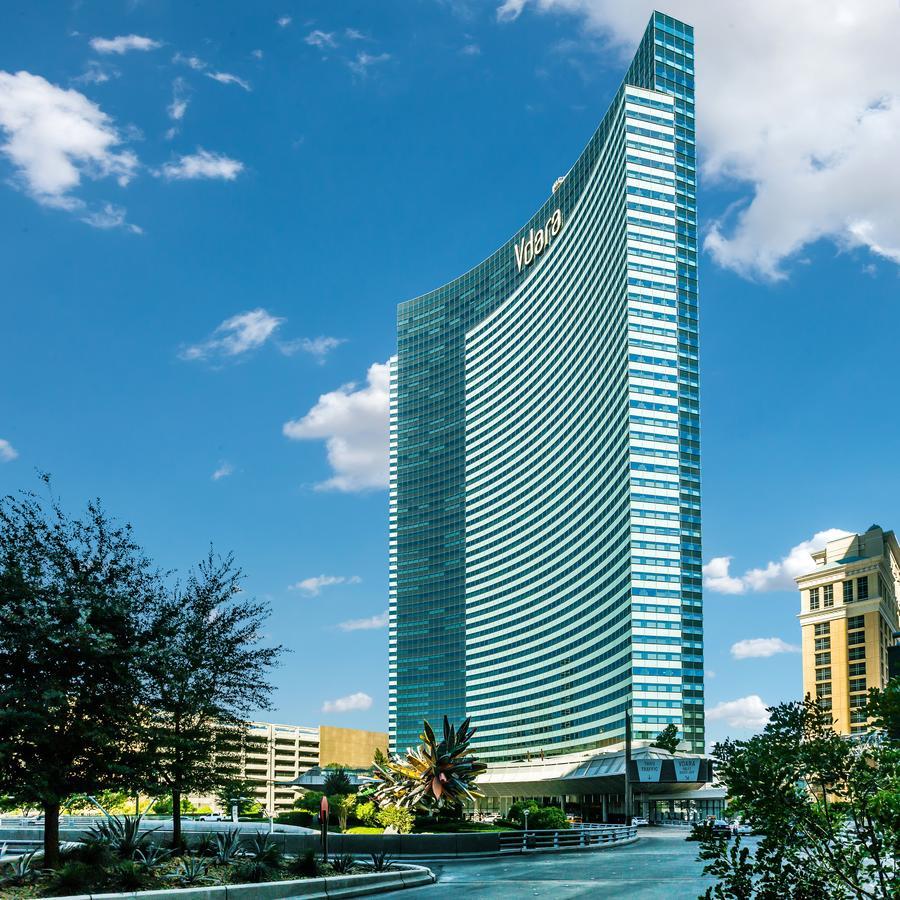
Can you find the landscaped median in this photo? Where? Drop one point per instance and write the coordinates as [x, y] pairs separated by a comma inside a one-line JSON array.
[[399, 876]]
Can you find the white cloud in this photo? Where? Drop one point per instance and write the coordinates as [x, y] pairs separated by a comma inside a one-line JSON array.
[[202, 164], [791, 110], [318, 347], [223, 471], [178, 107], [235, 336], [364, 61], [312, 587], [96, 73], [774, 576], [110, 216], [56, 136], [746, 712], [228, 78], [7, 452], [373, 622], [352, 703], [353, 422], [284, 21], [123, 43], [353, 34], [194, 62], [321, 39], [471, 50], [755, 648], [256, 54]]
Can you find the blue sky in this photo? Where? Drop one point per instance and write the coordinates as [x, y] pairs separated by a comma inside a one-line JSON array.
[[209, 212]]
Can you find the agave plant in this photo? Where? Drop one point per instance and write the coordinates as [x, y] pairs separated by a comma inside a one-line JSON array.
[[435, 774], [191, 870], [153, 857], [228, 846], [263, 850], [122, 835], [20, 871]]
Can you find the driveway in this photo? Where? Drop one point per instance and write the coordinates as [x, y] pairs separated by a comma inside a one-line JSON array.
[[660, 866]]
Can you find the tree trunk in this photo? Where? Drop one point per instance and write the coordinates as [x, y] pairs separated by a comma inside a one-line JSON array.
[[51, 835], [176, 821]]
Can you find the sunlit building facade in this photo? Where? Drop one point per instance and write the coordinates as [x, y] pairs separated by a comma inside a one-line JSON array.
[[545, 549]]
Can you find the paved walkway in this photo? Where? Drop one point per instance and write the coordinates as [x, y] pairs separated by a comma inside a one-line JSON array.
[[660, 866]]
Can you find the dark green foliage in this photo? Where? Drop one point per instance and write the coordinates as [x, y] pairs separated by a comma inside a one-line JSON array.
[[667, 739], [337, 782], [206, 846], [730, 864], [309, 801], [76, 878], [128, 875], [76, 595], [208, 667], [93, 851], [539, 817], [231, 788], [342, 864], [380, 862], [828, 808], [306, 865], [296, 817], [250, 871]]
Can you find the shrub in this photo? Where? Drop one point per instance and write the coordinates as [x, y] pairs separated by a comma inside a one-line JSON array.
[[94, 852], [310, 801], [128, 875], [337, 782], [549, 817], [76, 878], [251, 871], [153, 857], [366, 813], [397, 817], [123, 835], [306, 865], [296, 817]]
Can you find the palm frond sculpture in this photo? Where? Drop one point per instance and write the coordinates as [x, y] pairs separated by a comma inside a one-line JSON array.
[[435, 774]]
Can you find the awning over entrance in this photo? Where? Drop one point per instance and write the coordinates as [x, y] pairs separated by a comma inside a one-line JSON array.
[[653, 771]]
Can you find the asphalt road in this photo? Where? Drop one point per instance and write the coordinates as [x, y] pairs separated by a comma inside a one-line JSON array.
[[660, 865]]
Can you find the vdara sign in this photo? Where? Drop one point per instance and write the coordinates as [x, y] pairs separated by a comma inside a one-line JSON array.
[[530, 248]]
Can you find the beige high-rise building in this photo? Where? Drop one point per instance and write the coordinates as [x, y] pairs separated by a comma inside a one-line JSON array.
[[848, 615]]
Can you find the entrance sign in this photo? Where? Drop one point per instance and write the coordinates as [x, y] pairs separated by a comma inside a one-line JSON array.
[[530, 248], [648, 769], [687, 769]]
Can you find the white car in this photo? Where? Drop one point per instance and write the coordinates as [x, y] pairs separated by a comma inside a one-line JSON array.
[[741, 828], [212, 817], [636, 820]]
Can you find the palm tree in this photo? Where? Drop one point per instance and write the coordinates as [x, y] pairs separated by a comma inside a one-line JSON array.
[[435, 774]]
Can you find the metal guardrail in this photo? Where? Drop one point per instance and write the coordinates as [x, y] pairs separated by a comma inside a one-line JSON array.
[[567, 839]]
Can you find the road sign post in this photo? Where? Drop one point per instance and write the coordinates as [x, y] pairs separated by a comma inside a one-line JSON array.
[[323, 827]]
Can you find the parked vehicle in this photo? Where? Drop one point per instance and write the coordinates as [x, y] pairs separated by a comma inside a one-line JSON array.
[[741, 828], [212, 817], [638, 820]]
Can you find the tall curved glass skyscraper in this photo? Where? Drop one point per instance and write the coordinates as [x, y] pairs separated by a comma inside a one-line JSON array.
[[545, 461]]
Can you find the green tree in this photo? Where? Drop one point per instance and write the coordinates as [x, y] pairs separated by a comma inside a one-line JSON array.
[[233, 788], [209, 672], [310, 801], [667, 739], [75, 595], [396, 817], [337, 781], [828, 807]]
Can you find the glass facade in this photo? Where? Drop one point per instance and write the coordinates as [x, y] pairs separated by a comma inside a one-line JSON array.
[[545, 550]]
